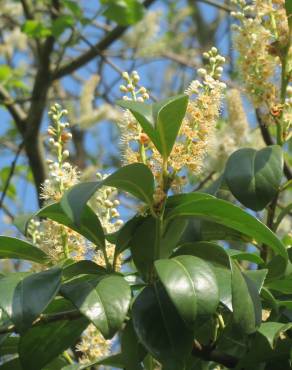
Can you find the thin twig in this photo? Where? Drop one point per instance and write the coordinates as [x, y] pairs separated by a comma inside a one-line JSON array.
[[220, 6], [11, 172], [98, 48], [204, 181]]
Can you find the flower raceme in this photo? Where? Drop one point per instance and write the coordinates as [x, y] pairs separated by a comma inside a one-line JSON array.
[[262, 38], [196, 133]]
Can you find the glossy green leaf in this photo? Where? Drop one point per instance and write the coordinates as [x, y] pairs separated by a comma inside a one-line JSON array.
[[132, 351], [8, 285], [227, 214], [288, 7], [245, 256], [144, 245], [32, 295], [170, 114], [202, 230], [253, 176], [281, 285], [135, 178], [103, 300], [126, 233], [123, 12], [217, 256], [178, 199], [258, 277], [21, 220], [247, 310], [191, 285], [161, 121], [20, 249], [160, 328], [207, 251], [144, 115], [9, 346], [81, 268], [13, 364], [171, 236], [272, 330], [90, 226], [41, 344]]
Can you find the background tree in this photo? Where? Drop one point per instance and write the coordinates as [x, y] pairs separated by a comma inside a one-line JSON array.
[[198, 275]]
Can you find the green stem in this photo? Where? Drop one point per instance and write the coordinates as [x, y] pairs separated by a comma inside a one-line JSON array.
[[106, 260], [68, 358], [282, 214], [65, 244]]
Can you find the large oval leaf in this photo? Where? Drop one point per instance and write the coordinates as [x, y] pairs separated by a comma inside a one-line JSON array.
[[253, 176], [218, 257], [90, 226], [227, 214], [247, 309], [24, 297], [160, 328], [144, 246], [135, 178], [103, 300], [20, 249], [41, 344], [191, 285]]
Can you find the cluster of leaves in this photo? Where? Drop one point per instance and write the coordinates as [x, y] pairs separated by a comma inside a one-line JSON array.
[[189, 303]]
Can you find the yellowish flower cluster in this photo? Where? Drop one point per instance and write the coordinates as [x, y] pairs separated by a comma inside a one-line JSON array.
[[61, 242], [92, 345], [197, 130], [62, 174], [263, 40], [196, 135], [105, 203], [133, 140], [256, 63]]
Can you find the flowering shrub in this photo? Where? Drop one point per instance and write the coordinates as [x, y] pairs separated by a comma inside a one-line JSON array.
[[165, 289]]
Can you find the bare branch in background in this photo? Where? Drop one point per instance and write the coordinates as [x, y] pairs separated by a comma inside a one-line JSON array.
[[10, 175]]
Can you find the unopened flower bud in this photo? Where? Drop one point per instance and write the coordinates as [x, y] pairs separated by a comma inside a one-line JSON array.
[[108, 203], [202, 72], [123, 88], [66, 154], [125, 76]]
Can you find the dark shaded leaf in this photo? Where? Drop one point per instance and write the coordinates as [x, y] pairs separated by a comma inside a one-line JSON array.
[[160, 328], [135, 178], [20, 249], [90, 226], [32, 295], [103, 300], [41, 344], [253, 176], [247, 314], [191, 285]]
